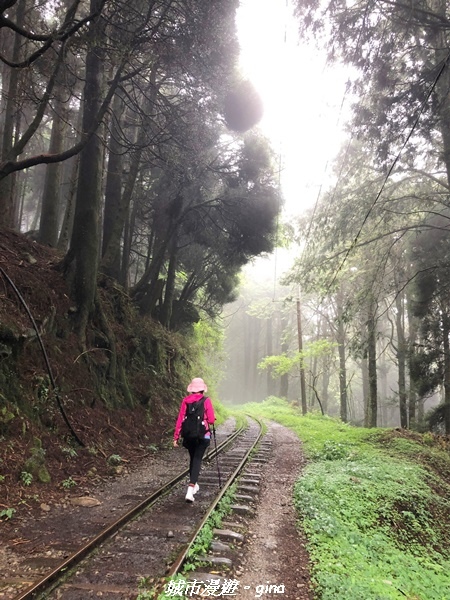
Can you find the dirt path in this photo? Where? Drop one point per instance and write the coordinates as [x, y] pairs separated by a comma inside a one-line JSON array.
[[275, 553]]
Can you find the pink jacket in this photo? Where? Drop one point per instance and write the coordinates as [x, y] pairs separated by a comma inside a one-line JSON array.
[[208, 416]]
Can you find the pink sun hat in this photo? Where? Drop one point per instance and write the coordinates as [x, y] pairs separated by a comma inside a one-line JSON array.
[[197, 385]]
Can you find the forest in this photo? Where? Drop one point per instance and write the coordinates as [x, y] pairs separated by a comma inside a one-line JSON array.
[[130, 145], [359, 324], [145, 240], [123, 147]]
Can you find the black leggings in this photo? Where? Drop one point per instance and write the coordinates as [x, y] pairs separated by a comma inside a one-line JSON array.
[[196, 451]]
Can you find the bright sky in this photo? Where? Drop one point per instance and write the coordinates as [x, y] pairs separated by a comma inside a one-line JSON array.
[[302, 97]]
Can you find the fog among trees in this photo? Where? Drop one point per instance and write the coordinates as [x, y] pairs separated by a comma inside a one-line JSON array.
[[128, 142], [370, 260]]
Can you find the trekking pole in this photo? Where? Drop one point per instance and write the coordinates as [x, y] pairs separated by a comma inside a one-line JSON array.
[[217, 457]]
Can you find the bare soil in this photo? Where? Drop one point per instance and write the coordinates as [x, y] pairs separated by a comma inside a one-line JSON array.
[[275, 553], [103, 420]]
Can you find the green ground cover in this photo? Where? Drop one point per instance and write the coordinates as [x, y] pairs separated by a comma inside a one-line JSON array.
[[375, 506]]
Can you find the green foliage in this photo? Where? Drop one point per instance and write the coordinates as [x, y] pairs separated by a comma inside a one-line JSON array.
[[26, 478], [35, 464], [375, 507], [147, 589], [207, 339], [7, 513], [332, 450], [69, 451], [146, 595], [68, 483], [5, 416], [282, 364], [241, 420], [43, 387], [114, 460]]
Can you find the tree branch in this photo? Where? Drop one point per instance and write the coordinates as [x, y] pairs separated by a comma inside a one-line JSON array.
[[10, 166], [60, 35]]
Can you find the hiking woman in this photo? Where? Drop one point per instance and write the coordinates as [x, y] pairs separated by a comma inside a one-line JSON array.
[[195, 445]]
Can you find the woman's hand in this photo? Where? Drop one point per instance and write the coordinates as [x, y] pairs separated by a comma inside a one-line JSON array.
[[175, 443]]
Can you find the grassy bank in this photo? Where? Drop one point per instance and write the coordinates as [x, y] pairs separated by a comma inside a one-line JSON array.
[[375, 506]]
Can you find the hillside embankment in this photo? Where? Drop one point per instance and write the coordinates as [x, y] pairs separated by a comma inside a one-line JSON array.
[[70, 415]]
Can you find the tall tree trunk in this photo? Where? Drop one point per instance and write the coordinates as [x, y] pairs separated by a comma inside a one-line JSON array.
[[401, 358], [21, 197], [256, 324], [443, 82], [325, 385], [304, 404], [325, 369], [372, 366], [248, 342], [365, 390], [130, 220], [269, 352], [117, 197], [84, 245], [69, 210], [284, 379], [313, 373], [72, 167], [167, 218], [166, 309], [48, 226], [112, 230], [383, 410], [7, 184], [446, 347], [342, 360], [412, 394], [443, 103], [112, 258]]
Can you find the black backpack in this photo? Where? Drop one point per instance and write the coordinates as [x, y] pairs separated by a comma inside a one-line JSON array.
[[192, 427]]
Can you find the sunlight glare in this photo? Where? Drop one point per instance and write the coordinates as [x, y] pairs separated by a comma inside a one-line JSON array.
[[302, 97]]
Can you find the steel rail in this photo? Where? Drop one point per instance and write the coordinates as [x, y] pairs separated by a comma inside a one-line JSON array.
[[179, 561], [70, 562]]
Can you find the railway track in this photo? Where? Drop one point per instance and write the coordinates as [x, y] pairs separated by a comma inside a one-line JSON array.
[[153, 538]]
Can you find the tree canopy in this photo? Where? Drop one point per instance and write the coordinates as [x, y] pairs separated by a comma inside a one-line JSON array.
[[124, 144]]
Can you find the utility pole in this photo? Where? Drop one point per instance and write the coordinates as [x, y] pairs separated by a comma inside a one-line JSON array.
[[300, 349]]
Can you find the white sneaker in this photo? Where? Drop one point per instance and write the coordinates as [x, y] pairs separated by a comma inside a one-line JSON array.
[[190, 494], [196, 488]]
